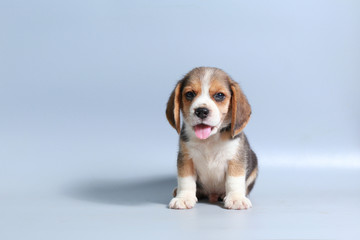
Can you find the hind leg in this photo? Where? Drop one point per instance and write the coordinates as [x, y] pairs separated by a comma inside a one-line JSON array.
[[250, 180]]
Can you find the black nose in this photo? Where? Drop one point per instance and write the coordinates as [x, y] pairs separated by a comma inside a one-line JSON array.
[[202, 112]]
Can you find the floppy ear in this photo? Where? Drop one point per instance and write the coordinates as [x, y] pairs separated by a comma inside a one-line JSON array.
[[173, 107], [240, 109]]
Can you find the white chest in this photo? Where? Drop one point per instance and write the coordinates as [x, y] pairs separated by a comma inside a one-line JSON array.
[[211, 160]]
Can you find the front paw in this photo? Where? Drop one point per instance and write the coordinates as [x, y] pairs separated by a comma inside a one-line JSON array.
[[182, 202], [236, 201]]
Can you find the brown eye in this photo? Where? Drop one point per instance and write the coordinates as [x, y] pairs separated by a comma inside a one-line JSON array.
[[190, 95], [219, 97]]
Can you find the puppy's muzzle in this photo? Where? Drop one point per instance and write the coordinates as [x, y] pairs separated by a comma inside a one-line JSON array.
[[202, 113]]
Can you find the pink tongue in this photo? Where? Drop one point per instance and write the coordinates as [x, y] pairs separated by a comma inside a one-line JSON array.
[[202, 131]]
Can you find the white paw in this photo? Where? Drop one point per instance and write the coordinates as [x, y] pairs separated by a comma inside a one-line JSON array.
[[182, 202], [236, 201]]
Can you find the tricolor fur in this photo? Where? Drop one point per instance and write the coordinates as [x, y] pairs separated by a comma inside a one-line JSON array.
[[215, 159]]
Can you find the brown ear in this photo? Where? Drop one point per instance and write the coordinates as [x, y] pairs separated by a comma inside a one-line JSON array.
[[240, 109], [173, 107]]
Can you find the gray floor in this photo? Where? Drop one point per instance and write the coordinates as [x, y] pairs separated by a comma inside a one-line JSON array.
[[287, 204]]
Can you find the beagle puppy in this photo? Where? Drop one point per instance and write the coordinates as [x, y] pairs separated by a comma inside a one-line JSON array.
[[215, 160]]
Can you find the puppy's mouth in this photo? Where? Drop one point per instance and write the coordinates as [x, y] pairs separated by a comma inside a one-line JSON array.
[[202, 131]]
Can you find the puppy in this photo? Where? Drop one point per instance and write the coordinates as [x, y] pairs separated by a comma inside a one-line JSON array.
[[215, 159]]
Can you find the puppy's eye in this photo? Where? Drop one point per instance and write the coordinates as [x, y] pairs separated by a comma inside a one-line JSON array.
[[219, 97], [190, 95]]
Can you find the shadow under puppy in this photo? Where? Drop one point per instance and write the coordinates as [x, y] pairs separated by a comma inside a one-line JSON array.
[[215, 159]]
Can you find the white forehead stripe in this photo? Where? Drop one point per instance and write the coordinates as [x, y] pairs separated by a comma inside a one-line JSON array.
[[204, 98], [205, 81]]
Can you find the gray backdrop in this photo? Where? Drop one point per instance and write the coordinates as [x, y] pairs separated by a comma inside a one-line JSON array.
[[91, 77]]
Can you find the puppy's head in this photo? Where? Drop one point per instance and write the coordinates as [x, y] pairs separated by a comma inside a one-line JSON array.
[[209, 100]]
